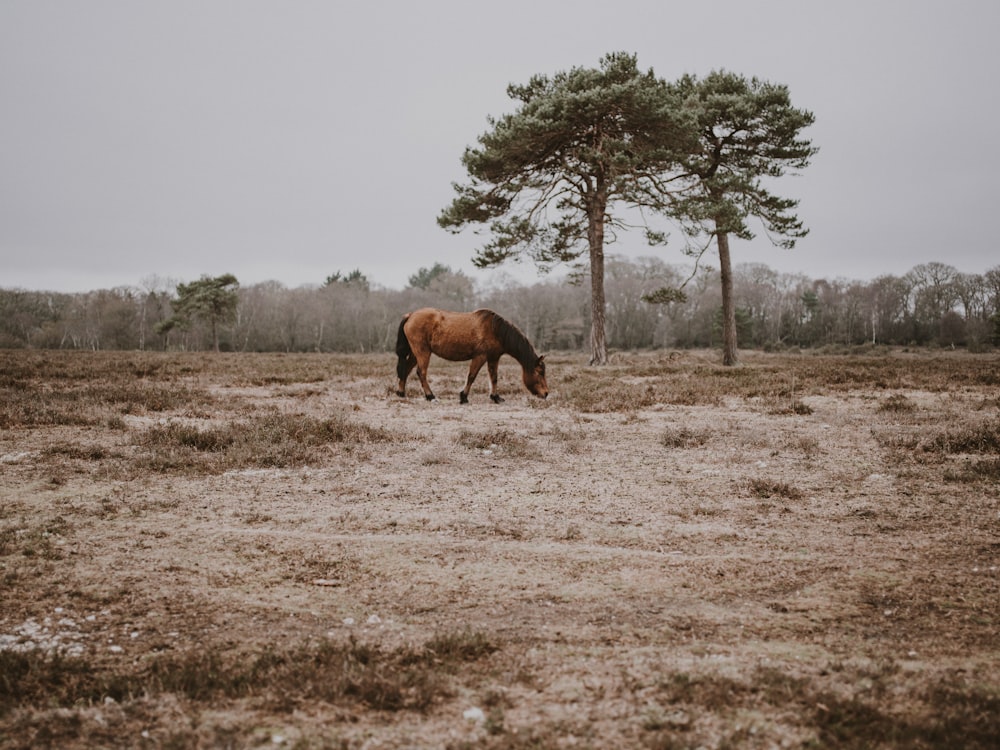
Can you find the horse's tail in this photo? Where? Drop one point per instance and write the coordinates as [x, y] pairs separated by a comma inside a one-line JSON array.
[[403, 350]]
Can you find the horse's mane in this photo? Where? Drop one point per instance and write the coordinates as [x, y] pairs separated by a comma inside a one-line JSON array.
[[514, 342]]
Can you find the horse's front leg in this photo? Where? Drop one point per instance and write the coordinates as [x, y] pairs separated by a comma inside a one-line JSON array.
[[474, 367], [491, 368]]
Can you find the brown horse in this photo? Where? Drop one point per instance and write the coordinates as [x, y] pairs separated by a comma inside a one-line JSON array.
[[481, 336]]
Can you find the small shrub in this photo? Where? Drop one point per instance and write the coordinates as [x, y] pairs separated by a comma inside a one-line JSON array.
[[37, 676], [390, 680], [808, 445], [78, 452], [982, 438], [987, 470], [781, 406], [766, 488], [684, 437], [605, 390], [457, 648], [269, 441], [573, 440], [798, 407], [116, 423], [897, 403], [503, 440], [617, 399]]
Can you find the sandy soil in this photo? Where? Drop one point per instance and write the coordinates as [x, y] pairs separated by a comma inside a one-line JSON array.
[[642, 584]]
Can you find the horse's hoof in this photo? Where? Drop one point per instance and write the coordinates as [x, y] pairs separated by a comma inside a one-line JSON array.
[[429, 396], [401, 394], [462, 398], [496, 399]]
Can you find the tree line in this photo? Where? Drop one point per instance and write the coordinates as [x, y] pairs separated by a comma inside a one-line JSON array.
[[588, 153], [933, 304]]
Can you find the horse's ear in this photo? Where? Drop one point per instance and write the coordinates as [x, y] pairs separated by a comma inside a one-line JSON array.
[[541, 358]]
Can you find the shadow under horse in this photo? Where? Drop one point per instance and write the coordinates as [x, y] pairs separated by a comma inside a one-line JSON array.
[[481, 336]]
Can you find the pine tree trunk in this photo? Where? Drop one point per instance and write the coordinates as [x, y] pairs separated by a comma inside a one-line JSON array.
[[598, 343], [595, 235], [730, 354]]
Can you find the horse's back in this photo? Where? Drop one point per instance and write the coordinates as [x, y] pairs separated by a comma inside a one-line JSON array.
[[451, 335], [436, 314]]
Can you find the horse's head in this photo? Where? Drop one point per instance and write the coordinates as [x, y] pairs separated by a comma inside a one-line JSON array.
[[534, 378]]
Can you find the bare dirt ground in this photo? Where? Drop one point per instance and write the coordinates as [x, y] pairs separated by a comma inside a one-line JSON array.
[[800, 552]]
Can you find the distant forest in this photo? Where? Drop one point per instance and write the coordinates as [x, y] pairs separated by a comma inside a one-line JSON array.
[[931, 305]]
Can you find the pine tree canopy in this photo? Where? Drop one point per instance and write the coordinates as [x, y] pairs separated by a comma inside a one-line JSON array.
[[700, 154], [748, 132], [577, 143]]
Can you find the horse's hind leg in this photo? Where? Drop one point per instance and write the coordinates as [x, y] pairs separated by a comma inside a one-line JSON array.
[[405, 367], [423, 359], [474, 367], [491, 368]]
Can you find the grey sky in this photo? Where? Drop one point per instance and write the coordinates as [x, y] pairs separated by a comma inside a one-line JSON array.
[[288, 140]]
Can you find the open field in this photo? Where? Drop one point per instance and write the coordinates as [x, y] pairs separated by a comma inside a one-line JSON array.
[[263, 550]]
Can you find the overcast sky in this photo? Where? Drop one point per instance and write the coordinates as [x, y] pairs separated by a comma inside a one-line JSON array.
[[288, 140]]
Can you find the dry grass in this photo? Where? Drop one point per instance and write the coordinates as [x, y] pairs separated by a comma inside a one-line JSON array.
[[501, 440], [404, 678], [977, 438], [685, 437], [897, 402], [266, 442], [267, 550], [767, 488]]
